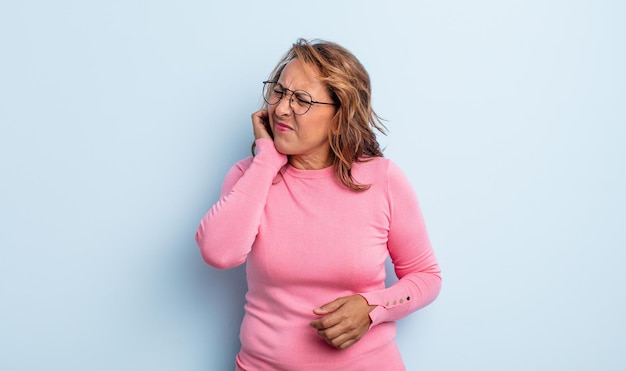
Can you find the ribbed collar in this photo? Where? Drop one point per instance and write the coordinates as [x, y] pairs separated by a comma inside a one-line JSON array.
[[310, 174]]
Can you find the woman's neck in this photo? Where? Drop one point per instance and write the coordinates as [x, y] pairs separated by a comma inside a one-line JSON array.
[[310, 163]]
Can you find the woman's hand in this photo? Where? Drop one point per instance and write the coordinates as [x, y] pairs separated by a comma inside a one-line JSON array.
[[261, 124], [343, 321]]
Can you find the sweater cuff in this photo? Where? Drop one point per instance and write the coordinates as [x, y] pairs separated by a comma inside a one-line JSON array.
[[267, 153], [384, 300]]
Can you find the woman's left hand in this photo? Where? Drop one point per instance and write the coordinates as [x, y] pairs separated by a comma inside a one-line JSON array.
[[343, 321]]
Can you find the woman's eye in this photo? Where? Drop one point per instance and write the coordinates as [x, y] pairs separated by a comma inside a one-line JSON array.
[[303, 99]]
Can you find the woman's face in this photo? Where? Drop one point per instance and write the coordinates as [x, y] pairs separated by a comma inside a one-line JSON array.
[[304, 138]]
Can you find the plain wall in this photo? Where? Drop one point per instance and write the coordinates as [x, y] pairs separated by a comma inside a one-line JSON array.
[[119, 119]]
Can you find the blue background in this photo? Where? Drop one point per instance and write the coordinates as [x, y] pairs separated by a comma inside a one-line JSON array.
[[119, 120]]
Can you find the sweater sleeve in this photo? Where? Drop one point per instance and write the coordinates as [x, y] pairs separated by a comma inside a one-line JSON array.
[[227, 232], [411, 253]]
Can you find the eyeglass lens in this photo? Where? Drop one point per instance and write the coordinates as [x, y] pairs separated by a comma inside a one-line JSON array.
[[299, 100]]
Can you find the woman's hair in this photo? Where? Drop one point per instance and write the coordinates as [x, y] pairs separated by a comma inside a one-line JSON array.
[[353, 138]]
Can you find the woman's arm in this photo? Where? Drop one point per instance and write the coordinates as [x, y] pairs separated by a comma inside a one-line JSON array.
[[227, 232], [411, 253]]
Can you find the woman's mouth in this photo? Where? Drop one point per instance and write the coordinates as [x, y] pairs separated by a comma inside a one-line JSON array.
[[282, 127]]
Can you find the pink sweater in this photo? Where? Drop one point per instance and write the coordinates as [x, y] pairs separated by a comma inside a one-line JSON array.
[[308, 240]]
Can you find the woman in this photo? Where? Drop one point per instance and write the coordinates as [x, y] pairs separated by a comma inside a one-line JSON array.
[[315, 213]]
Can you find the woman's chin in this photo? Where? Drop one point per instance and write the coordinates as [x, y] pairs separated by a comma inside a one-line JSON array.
[[282, 149]]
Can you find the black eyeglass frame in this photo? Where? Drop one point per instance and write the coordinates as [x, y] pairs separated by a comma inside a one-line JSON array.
[[284, 92]]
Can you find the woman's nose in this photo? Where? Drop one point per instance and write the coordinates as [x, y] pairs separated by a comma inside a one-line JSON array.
[[283, 107]]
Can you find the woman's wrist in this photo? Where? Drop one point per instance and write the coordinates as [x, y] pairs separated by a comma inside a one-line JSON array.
[[266, 151]]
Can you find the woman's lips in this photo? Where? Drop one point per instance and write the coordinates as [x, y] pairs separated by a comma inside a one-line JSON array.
[[283, 127]]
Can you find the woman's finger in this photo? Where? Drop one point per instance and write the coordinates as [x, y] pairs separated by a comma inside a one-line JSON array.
[[261, 125]]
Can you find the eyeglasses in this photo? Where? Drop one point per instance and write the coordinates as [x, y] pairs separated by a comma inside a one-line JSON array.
[[300, 101]]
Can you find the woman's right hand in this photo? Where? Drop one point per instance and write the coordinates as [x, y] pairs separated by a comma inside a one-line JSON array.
[[261, 124]]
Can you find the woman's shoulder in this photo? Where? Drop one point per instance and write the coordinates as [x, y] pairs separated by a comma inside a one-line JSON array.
[[242, 165], [377, 169], [373, 165], [239, 168], [234, 173]]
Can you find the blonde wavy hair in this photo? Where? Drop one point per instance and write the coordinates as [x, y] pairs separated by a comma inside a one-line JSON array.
[[353, 138]]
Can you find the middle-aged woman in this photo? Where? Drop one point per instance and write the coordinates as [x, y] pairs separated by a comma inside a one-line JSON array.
[[315, 212]]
